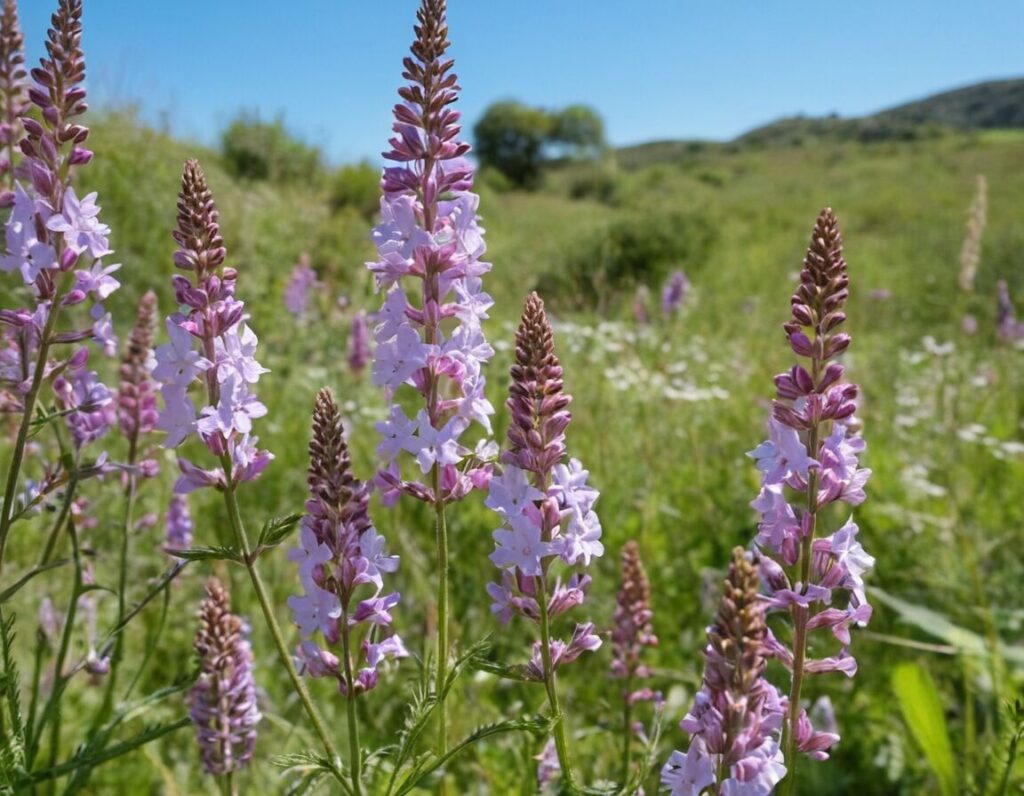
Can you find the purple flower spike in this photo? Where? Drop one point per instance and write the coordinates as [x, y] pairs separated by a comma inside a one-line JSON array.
[[674, 293], [547, 509], [296, 293], [737, 715], [1008, 328], [210, 344], [358, 344], [222, 703], [429, 244], [136, 395], [178, 525], [13, 95], [341, 562], [633, 630], [813, 453], [546, 504]]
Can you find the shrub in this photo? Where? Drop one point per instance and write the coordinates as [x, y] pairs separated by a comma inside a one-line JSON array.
[[257, 150], [356, 186], [637, 247]]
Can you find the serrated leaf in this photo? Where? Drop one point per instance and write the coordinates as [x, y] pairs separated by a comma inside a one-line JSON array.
[[276, 530], [922, 711], [12, 749], [427, 764]]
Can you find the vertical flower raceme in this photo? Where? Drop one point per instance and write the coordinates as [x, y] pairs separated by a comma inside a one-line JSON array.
[[676, 289], [970, 252], [632, 629], [341, 562], [136, 394], [547, 510], [358, 344], [55, 242], [736, 716], [428, 331], [429, 244], [178, 525], [301, 283], [632, 632], [210, 344], [222, 703], [812, 453], [13, 94], [1008, 328]]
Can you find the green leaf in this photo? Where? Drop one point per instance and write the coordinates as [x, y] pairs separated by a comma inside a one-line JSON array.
[[310, 768], [427, 764], [13, 589], [938, 625], [922, 711], [148, 735], [277, 530], [208, 554]]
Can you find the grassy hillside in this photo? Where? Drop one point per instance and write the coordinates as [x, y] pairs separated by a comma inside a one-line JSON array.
[[993, 105], [663, 415]]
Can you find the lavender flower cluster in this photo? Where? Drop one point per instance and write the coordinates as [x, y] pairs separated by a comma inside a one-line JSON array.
[[341, 562], [632, 629], [212, 345], [429, 239], [813, 450], [545, 503], [737, 714], [54, 239], [222, 703]]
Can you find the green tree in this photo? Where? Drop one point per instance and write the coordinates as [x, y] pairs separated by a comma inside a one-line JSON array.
[[510, 137], [579, 130]]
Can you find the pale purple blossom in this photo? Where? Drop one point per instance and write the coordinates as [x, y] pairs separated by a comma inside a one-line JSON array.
[[301, 283], [210, 343], [178, 524], [341, 561], [429, 249]]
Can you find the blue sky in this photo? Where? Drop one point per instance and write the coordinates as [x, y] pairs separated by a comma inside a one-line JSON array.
[[653, 68]]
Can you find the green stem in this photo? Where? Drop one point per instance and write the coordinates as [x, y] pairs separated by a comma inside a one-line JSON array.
[[65, 508], [627, 733], [107, 707], [441, 529], [235, 518], [800, 614], [18, 454], [59, 678], [355, 762], [1011, 758], [558, 728]]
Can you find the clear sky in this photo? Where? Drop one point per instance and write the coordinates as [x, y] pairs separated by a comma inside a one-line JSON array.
[[653, 68]]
